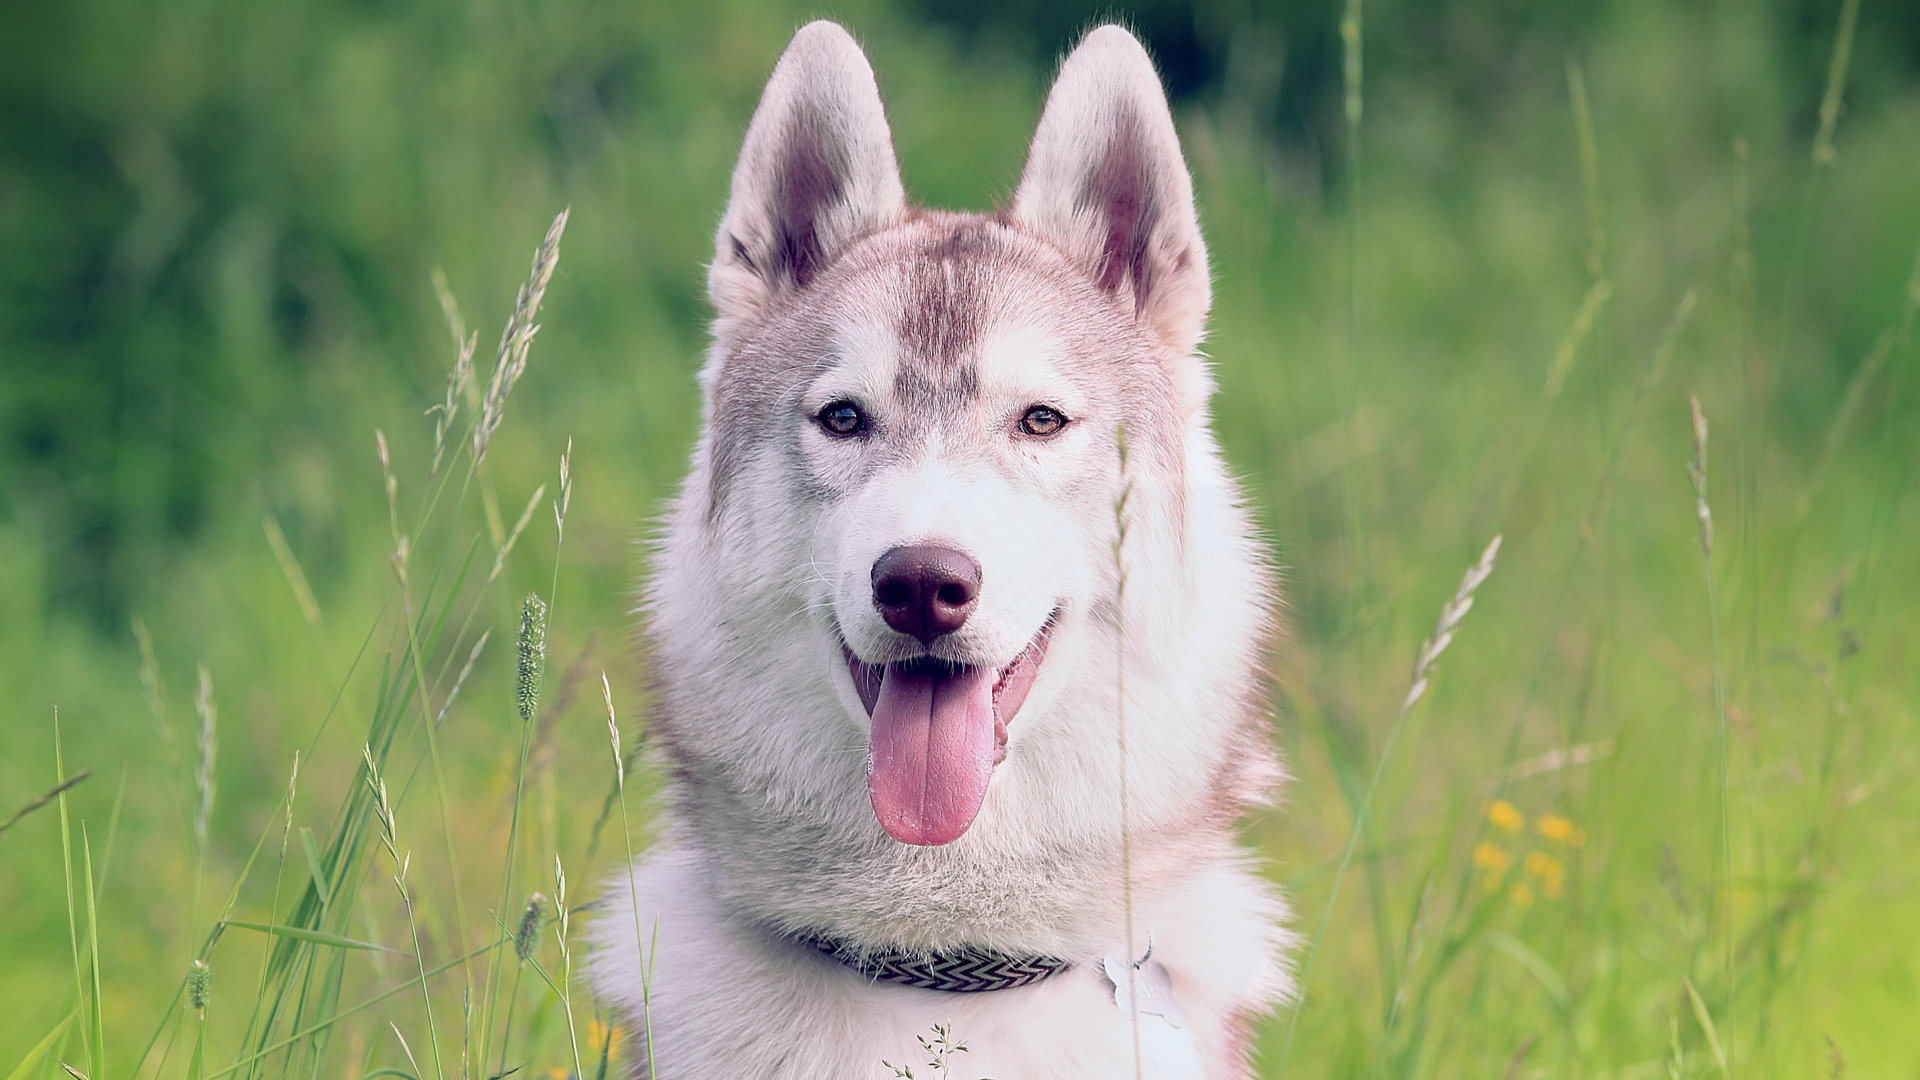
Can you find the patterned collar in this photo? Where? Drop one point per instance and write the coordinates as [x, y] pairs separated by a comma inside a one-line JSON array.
[[966, 970]]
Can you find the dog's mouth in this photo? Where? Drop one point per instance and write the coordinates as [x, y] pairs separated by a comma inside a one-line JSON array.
[[939, 728]]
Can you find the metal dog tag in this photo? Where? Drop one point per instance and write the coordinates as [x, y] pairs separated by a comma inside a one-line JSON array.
[[1152, 986]]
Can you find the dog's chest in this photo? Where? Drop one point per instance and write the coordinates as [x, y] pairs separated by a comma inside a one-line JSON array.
[[822, 1023], [727, 1000], [1069, 1027]]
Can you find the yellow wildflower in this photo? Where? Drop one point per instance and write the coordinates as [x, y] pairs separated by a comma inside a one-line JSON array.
[[600, 1034], [1552, 875], [1491, 858], [1522, 896], [1555, 827], [1504, 815]]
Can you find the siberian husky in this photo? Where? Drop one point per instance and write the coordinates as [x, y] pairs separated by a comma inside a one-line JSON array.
[[893, 609]]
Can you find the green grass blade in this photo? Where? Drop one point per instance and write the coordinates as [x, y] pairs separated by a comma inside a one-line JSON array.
[[1535, 965], [99, 1018], [41, 1049], [314, 936], [342, 1014], [1705, 1019], [66, 866]]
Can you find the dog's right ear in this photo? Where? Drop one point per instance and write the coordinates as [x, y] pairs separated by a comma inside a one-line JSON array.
[[817, 172]]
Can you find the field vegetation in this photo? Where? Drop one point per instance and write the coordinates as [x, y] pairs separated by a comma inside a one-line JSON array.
[[316, 633]]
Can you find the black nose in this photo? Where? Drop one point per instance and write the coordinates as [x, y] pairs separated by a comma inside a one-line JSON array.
[[925, 590]]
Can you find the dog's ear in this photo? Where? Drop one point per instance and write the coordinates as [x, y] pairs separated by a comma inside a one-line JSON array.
[[1105, 180], [817, 172]]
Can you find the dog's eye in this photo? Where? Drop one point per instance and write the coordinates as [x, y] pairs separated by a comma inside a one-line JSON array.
[[1042, 421], [841, 419]]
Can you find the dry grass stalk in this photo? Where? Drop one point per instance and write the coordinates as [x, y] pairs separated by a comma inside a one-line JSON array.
[[513, 537], [1892, 342], [461, 679], [44, 798], [460, 379], [296, 579], [1697, 469], [613, 734], [516, 341], [209, 748], [1703, 514], [1823, 151], [402, 863], [1120, 527], [293, 789], [383, 812], [402, 547], [565, 498], [1589, 171], [155, 691], [1450, 615], [563, 926], [1568, 350], [626, 832]]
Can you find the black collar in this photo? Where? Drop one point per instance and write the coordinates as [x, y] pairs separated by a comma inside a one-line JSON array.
[[965, 970]]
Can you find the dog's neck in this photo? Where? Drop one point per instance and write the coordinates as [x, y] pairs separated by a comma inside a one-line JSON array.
[[839, 878]]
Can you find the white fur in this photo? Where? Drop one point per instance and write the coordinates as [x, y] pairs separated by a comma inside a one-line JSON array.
[[752, 595]]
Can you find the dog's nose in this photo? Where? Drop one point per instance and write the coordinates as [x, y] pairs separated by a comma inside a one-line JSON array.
[[925, 590]]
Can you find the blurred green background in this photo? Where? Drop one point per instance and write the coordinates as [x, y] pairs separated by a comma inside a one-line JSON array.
[[1447, 314]]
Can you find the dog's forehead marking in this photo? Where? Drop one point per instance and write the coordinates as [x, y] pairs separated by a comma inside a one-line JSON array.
[[946, 294]]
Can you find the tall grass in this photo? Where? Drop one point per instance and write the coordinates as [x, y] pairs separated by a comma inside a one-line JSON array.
[[299, 998], [1615, 839]]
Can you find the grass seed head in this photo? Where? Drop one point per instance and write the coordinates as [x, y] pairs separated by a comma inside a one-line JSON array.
[[1450, 615], [293, 789], [1697, 469], [533, 654], [565, 498], [199, 985], [151, 686], [461, 680], [383, 808], [613, 734], [528, 932], [516, 340]]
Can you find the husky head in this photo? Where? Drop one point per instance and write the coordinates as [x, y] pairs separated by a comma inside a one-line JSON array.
[[890, 603]]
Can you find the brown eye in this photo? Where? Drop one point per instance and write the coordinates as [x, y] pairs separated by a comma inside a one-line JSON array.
[[1042, 421], [841, 419]]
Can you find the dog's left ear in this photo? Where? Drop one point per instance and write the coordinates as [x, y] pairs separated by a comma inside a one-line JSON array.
[[1106, 181]]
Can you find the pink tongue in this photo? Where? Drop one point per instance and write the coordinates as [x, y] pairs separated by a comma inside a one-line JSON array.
[[932, 752]]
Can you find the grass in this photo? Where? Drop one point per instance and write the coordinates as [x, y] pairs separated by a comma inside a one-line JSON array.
[[1654, 815]]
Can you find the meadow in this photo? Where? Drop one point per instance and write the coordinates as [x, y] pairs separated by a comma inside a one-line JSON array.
[[1631, 285]]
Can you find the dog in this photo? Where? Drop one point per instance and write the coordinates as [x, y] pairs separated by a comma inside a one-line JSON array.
[[958, 624]]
